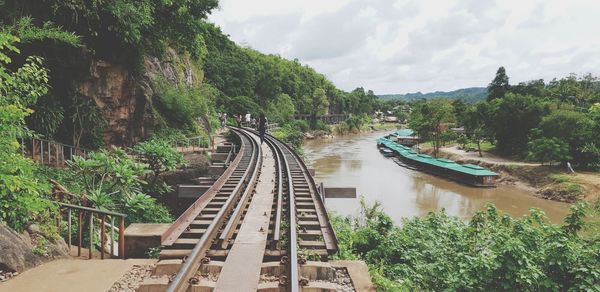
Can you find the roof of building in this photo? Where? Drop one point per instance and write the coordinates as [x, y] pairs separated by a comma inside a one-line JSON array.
[[408, 153], [403, 133]]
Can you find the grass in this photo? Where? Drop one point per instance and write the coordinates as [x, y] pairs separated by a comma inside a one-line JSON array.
[[566, 182], [385, 126]]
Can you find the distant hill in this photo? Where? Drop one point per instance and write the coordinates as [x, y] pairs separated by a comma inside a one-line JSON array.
[[470, 95]]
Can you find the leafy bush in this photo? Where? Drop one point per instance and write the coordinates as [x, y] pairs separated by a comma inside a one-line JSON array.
[[112, 180], [549, 150], [492, 252], [291, 136], [300, 125], [181, 105], [160, 157]]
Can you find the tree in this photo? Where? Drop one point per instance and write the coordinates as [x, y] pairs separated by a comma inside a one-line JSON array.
[[282, 109], [499, 86], [428, 120], [549, 150], [573, 128], [318, 105], [21, 193], [511, 119], [474, 119]]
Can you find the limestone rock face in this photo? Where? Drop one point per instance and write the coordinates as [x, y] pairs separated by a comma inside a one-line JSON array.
[[16, 251], [126, 99]]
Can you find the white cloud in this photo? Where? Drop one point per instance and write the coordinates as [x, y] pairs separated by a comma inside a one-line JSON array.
[[405, 46]]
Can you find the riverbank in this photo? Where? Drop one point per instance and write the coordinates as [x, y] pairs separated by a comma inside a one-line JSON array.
[[544, 181]]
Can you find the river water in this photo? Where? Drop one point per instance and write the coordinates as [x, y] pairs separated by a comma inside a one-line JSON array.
[[355, 161]]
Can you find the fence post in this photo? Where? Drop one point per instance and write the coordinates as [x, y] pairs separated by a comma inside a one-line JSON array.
[[91, 234], [112, 236], [69, 228], [102, 236], [56, 149], [80, 232], [122, 237]]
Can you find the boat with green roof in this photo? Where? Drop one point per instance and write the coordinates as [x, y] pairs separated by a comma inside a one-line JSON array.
[[470, 174]]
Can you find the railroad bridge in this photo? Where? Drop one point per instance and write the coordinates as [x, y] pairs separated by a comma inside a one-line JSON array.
[[261, 226]]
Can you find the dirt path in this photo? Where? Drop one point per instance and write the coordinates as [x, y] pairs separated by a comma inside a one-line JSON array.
[[72, 275], [487, 157]]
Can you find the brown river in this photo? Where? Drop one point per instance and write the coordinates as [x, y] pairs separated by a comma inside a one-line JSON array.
[[354, 161]]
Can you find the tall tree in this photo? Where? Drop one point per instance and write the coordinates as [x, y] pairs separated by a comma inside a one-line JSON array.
[[428, 120], [318, 105], [499, 86]]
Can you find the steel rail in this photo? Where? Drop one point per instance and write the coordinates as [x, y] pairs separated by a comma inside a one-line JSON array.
[[292, 252], [333, 245], [279, 205], [236, 216], [187, 217], [189, 268]]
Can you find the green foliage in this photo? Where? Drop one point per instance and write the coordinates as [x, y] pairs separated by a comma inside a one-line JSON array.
[[511, 119], [492, 252], [47, 117], [318, 104], [21, 193], [136, 28], [281, 110], [240, 105], [87, 123], [181, 105], [572, 127], [427, 120], [160, 157], [28, 32], [112, 180], [353, 123], [549, 150], [499, 86], [291, 135]]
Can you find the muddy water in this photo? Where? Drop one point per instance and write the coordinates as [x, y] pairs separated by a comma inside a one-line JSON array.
[[355, 161]]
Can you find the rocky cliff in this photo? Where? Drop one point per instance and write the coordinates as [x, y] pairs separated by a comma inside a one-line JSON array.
[[126, 99], [17, 251]]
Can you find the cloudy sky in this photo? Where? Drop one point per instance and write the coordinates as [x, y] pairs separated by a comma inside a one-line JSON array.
[[421, 45]]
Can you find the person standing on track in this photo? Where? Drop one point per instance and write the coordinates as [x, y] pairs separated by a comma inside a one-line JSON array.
[[238, 120], [262, 127]]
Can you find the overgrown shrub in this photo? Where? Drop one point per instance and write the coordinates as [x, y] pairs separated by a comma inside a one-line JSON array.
[[160, 157], [492, 252], [112, 180]]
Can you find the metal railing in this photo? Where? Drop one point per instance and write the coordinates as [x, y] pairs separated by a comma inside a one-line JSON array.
[[188, 144], [50, 153], [328, 119], [103, 217]]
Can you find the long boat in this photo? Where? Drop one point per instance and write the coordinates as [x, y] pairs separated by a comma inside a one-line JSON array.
[[470, 174]]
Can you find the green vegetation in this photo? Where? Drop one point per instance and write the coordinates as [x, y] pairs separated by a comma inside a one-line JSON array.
[[494, 251], [159, 157], [556, 121], [427, 121], [21, 192], [353, 124], [112, 180]]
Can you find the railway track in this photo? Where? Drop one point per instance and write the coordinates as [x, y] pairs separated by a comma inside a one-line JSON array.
[[255, 229]]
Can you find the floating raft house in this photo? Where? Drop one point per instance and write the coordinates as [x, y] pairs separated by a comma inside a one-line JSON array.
[[405, 137], [474, 175]]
